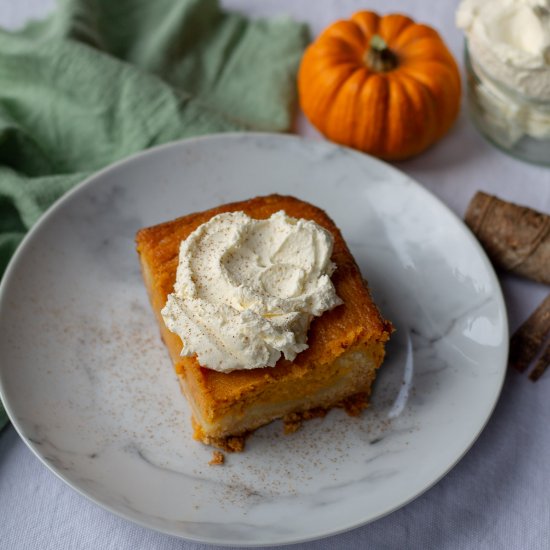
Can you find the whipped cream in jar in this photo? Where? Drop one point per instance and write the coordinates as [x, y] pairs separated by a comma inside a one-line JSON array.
[[508, 66]]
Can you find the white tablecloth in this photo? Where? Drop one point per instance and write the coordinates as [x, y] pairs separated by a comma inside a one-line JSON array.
[[498, 496]]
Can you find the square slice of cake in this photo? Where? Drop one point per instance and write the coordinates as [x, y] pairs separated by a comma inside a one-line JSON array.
[[345, 344]]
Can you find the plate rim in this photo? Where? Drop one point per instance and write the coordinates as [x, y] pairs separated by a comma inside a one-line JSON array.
[[176, 144]]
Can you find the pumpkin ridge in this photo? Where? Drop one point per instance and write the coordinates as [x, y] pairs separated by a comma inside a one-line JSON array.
[[355, 40], [426, 50], [416, 71], [421, 84], [321, 101], [416, 32], [368, 23], [427, 110], [334, 48], [391, 26], [446, 115], [340, 114], [375, 89], [433, 64], [355, 134], [398, 135]]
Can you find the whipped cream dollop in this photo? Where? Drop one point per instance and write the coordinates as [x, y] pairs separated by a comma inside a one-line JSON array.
[[510, 41], [246, 290]]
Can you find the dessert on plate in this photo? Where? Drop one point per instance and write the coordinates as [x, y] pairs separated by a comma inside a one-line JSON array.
[[265, 315]]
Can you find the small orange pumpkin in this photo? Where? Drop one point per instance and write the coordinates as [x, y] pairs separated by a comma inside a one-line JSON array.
[[381, 84]]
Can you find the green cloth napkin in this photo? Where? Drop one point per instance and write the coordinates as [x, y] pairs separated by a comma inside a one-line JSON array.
[[101, 79]]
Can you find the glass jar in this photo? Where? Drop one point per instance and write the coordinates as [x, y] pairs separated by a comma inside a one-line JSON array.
[[517, 124]]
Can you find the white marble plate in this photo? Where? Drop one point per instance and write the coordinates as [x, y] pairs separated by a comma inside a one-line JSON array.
[[90, 388]]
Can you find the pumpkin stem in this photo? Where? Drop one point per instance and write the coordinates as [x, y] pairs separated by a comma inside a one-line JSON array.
[[379, 58]]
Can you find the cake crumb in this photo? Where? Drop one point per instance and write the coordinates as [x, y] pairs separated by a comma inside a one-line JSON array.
[[293, 421], [291, 425], [355, 404], [218, 458], [230, 443], [235, 444]]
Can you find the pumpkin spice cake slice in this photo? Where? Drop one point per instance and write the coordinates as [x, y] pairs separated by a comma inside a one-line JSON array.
[[242, 365]]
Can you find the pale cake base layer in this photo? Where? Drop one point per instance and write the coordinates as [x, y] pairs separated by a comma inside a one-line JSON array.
[[351, 374]]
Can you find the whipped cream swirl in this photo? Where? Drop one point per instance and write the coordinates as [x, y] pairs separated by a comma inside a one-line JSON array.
[[246, 290]]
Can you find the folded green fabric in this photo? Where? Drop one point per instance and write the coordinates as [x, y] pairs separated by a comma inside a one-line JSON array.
[[100, 80]]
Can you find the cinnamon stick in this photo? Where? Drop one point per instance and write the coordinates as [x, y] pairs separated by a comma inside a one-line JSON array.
[[542, 364], [515, 237], [530, 336]]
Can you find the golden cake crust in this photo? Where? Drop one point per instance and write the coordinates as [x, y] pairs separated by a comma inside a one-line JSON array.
[[352, 324]]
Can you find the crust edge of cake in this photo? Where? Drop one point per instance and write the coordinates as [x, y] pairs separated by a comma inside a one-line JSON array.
[[361, 376]]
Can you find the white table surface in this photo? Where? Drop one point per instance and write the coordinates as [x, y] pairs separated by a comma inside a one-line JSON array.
[[498, 496]]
